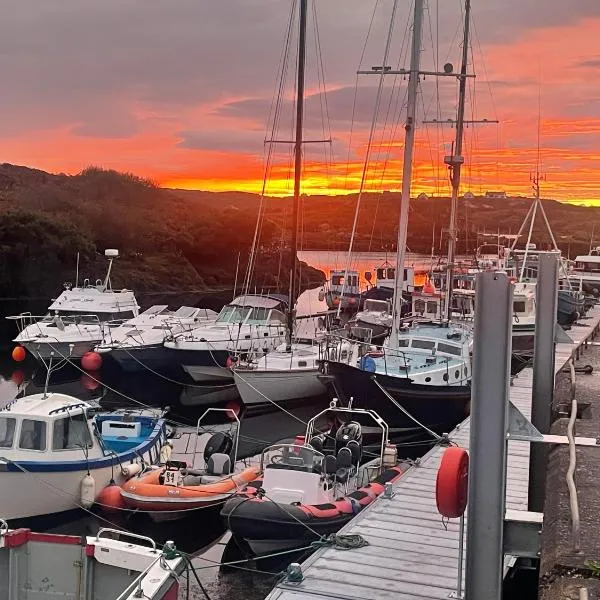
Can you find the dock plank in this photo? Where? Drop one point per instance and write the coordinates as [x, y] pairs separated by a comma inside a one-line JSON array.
[[412, 554]]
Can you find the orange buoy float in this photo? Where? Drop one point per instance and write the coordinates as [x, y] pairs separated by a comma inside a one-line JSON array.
[[19, 354], [428, 287], [91, 361], [452, 483], [110, 498]]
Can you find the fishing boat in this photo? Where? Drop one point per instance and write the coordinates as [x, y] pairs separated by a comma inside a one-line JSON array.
[[342, 291], [56, 456], [250, 325], [112, 564], [137, 344], [312, 488], [171, 491], [586, 271], [421, 375], [77, 320]]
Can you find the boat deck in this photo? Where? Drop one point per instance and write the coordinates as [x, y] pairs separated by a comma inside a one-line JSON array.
[[412, 554]]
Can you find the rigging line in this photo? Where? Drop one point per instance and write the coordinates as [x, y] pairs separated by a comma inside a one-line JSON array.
[[270, 150], [427, 132], [368, 150], [360, 62]]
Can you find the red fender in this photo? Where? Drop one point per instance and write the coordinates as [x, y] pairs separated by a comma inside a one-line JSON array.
[[451, 487]]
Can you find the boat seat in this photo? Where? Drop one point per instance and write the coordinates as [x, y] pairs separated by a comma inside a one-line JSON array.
[[356, 451], [343, 463], [218, 464]]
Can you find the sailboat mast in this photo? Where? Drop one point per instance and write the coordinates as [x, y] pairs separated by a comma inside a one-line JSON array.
[[297, 165], [409, 142], [456, 160]]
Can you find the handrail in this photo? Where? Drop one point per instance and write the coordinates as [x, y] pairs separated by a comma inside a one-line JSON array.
[[127, 534]]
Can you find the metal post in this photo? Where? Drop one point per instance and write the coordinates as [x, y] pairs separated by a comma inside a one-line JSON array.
[[489, 408], [543, 373]]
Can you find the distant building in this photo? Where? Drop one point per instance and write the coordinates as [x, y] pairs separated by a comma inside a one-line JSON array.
[[422, 196], [495, 194], [469, 196]]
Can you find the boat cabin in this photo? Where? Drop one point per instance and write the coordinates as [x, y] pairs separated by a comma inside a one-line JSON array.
[[385, 277], [55, 427], [589, 263], [428, 306], [254, 310], [524, 301], [338, 282]]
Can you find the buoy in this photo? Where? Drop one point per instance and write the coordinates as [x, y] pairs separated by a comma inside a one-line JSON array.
[[110, 498], [88, 491], [19, 354], [91, 361], [90, 381], [452, 484], [233, 408], [18, 377]]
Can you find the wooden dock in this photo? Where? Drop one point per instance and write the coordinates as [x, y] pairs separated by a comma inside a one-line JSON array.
[[412, 554]]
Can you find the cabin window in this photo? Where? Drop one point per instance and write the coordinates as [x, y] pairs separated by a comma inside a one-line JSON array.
[[7, 431], [70, 433], [258, 316], [391, 273], [33, 435], [448, 348], [403, 343], [519, 306], [337, 280], [423, 344], [432, 307], [276, 317], [381, 273], [419, 306]]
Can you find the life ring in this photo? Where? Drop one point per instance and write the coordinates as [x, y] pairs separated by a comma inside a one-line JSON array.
[[451, 486]]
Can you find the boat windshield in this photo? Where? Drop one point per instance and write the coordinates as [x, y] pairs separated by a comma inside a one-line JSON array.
[[233, 314], [293, 457], [589, 266]]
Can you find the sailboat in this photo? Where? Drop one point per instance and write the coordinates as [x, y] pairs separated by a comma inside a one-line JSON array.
[[422, 374], [291, 371]]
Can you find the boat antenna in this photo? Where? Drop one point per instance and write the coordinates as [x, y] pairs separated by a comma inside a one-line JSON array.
[[77, 272], [297, 168], [456, 160]]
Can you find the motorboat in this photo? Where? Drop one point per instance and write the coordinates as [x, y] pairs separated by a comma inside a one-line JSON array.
[[77, 320], [586, 272], [249, 326], [311, 488], [137, 344], [376, 316], [56, 456], [111, 564], [173, 490]]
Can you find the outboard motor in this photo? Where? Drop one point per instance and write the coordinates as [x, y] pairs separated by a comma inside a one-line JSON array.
[[347, 432], [219, 443]]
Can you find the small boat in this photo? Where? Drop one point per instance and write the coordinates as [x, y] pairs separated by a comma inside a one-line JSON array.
[[137, 344], [375, 316], [55, 456], [112, 564], [248, 326], [586, 272], [171, 491], [77, 320], [310, 489]]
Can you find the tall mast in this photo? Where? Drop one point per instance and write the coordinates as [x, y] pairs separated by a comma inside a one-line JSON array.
[[297, 166], [409, 141], [456, 160]]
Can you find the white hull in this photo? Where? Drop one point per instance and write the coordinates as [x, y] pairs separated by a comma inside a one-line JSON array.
[[258, 387], [25, 495]]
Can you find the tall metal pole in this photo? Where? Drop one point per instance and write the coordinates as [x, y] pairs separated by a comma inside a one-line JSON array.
[[409, 142], [456, 160], [489, 409], [297, 166], [546, 298]]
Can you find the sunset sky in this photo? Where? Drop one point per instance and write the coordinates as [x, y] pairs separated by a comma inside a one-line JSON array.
[[180, 91]]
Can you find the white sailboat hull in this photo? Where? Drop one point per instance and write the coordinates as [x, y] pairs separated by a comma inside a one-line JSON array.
[[261, 387]]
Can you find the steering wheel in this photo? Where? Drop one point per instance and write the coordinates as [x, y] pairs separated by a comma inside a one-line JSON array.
[[277, 459]]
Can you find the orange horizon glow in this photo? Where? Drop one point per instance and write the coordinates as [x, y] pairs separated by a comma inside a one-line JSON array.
[[497, 157]]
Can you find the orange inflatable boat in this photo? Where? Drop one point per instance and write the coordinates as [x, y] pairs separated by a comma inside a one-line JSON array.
[[176, 490]]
